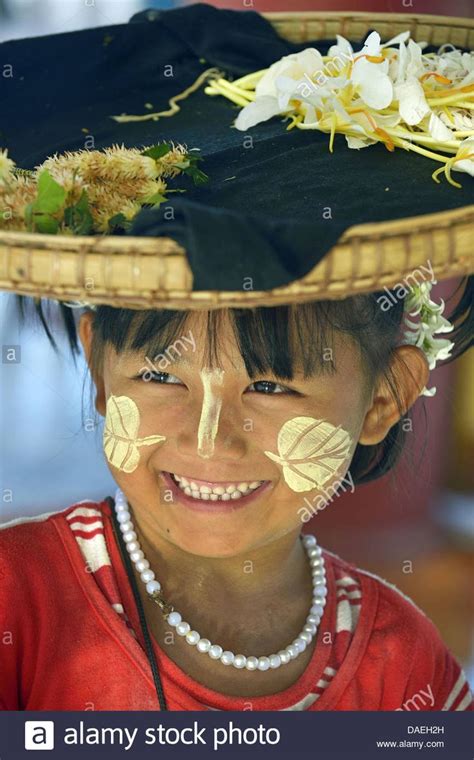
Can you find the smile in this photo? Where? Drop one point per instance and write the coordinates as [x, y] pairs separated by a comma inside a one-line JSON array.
[[214, 495], [206, 490]]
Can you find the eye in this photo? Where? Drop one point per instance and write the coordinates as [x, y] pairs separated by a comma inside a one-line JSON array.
[[162, 378], [267, 387]]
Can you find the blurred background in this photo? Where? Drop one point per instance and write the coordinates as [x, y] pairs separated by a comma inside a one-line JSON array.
[[414, 528], [27, 18]]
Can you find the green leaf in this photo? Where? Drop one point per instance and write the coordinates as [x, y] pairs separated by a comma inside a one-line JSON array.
[[46, 224], [198, 177], [189, 166], [119, 221], [38, 222], [29, 217], [157, 151], [78, 217], [50, 195], [156, 199]]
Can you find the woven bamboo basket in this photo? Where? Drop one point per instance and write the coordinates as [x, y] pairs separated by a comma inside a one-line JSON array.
[[146, 273]]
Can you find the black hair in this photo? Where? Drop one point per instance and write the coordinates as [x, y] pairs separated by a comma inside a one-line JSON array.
[[277, 339]]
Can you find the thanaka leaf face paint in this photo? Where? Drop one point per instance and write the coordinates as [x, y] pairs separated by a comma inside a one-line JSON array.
[[211, 408], [122, 421], [310, 451]]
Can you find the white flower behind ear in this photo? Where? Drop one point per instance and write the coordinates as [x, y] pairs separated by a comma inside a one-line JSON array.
[[422, 334]]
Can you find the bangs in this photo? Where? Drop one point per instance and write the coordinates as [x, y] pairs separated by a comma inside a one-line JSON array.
[[282, 340]]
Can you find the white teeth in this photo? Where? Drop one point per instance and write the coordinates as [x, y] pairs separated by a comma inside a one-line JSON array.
[[221, 493]]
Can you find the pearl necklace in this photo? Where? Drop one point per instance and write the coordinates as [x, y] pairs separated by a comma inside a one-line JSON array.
[[215, 651]]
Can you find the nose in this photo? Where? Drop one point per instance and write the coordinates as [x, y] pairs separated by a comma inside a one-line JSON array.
[[210, 411], [215, 433]]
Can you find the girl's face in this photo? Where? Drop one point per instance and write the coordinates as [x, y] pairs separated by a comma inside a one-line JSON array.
[[217, 425]]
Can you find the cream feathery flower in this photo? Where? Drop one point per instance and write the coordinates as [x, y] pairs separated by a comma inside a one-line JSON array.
[[14, 200], [102, 215], [6, 166], [111, 165], [150, 189], [167, 164]]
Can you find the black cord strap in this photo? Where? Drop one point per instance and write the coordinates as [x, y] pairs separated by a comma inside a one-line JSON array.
[[141, 614]]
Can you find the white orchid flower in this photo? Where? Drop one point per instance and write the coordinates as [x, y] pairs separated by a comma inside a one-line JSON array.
[[437, 350], [260, 109], [342, 49], [295, 66], [399, 38], [377, 94], [422, 333], [411, 101], [438, 129], [408, 89], [274, 90], [455, 65], [464, 159], [370, 75], [439, 324], [459, 119]]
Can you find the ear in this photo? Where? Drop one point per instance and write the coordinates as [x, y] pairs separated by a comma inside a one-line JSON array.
[[85, 330], [410, 371]]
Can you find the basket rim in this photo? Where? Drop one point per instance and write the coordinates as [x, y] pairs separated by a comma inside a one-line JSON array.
[[427, 19], [457, 261]]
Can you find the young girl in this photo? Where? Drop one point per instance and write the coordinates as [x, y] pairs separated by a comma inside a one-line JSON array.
[[195, 587], [232, 413]]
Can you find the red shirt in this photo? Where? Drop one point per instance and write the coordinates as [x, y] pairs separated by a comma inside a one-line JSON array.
[[71, 638]]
